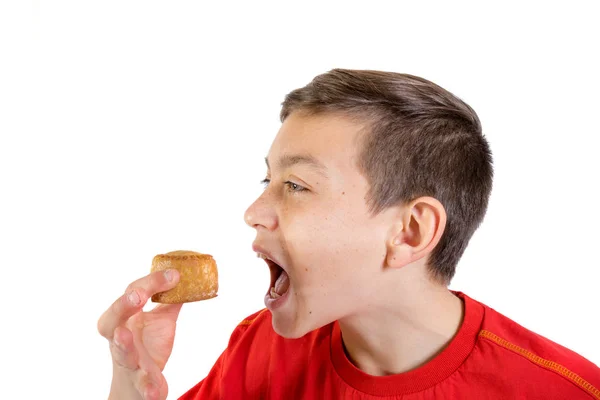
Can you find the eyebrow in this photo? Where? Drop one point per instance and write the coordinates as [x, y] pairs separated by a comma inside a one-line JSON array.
[[289, 160]]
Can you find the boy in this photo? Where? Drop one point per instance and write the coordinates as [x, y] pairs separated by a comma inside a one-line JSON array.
[[375, 183]]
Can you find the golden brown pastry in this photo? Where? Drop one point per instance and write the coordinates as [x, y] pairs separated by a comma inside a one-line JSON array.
[[198, 276]]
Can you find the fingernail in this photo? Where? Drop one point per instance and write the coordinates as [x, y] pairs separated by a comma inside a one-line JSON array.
[[133, 298], [169, 275]]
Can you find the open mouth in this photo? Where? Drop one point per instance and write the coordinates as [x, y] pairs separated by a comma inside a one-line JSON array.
[[280, 281]]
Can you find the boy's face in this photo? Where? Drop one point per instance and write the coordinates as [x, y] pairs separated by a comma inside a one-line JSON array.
[[312, 219]]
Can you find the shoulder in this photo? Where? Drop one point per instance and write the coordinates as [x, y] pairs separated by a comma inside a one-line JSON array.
[[256, 324], [535, 355], [258, 318]]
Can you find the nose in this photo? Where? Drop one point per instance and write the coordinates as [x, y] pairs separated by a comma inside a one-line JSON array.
[[261, 213]]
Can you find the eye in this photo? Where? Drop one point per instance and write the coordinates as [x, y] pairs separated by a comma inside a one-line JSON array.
[[290, 186], [294, 187]]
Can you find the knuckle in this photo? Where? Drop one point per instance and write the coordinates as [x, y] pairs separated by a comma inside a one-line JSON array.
[[121, 305], [116, 351], [121, 357], [101, 327], [157, 279], [104, 324], [143, 294]]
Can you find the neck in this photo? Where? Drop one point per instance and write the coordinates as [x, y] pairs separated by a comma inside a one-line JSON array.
[[403, 332]]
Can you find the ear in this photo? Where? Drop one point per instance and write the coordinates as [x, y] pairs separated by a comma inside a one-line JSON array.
[[417, 232]]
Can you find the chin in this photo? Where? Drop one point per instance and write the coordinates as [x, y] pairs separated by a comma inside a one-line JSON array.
[[294, 328], [288, 329]]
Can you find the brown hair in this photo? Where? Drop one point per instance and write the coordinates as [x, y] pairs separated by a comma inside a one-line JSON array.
[[422, 141]]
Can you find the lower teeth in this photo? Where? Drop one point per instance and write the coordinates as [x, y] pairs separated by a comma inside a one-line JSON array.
[[274, 294]]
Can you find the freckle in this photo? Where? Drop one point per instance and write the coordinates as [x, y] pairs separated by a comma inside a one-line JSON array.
[[343, 193], [310, 312], [306, 269]]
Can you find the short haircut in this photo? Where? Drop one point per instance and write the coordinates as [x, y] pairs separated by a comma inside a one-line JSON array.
[[420, 140]]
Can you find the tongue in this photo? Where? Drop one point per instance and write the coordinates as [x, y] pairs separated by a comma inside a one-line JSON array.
[[282, 283]]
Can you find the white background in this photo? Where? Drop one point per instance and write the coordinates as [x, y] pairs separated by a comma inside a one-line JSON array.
[[131, 128]]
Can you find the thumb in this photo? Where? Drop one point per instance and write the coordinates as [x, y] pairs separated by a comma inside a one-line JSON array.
[[170, 310]]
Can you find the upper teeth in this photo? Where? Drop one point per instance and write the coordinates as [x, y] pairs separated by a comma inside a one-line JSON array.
[[259, 255]]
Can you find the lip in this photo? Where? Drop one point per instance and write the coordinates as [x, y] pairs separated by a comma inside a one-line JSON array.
[[260, 250], [273, 304], [270, 303]]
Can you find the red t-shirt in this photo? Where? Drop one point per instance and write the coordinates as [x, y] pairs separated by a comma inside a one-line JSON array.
[[491, 357]]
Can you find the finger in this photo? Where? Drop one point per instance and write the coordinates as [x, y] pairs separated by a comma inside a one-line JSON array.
[[120, 311], [134, 299], [149, 385], [150, 391], [155, 282], [123, 350]]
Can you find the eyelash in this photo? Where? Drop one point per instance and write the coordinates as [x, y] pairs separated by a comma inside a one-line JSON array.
[[290, 186]]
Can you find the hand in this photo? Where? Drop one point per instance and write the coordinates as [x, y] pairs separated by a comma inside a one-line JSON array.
[[141, 342]]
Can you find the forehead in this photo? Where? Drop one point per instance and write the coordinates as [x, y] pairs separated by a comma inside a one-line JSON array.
[[330, 138]]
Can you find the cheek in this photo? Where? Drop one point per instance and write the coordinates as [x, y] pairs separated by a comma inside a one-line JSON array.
[[332, 249], [309, 240]]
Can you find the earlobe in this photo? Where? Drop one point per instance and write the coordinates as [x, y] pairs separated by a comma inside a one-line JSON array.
[[399, 254]]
